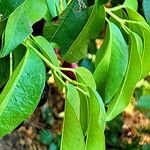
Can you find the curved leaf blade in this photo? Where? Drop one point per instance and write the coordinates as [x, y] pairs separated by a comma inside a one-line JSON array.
[[72, 135], [22, 92], [47, 49], [146, 9], [84, 115], [20, 23], [8, 6], [111, 63], [4, 70], [139, 25], [85, 22], [84, 76], [97, 116], [133, 74], [63, 28], [91, 30], [133, 4]]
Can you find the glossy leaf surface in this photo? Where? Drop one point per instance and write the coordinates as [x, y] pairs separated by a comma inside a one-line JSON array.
[[47, 49], [20, 24], [97, 116], [85, 22], [133, 4], [111, 63], [139, 25], [84, 76], [22, 92], [72, 135], [8, 6], [133, 74]]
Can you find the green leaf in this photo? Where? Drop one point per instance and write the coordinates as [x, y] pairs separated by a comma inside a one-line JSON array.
[[84, 76], [56, 7], [85, 23], [91, 30], [20, 22], [104, 1], [133, 4], [59, 81], [22, 92], [4, 70], [8, 6], [18, 54], [2, 27], [133, 15], [52, 7], [111, 63], [47, 49], [84, 116], [123, 15], [138, 25], [64, 29], [97, 116], [133, 74], [146, 9], [72, 135]]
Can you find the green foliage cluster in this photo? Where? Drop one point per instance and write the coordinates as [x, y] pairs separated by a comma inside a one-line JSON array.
[[91, 99]]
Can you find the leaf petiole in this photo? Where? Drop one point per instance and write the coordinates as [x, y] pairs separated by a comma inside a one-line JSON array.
[[53, 67]]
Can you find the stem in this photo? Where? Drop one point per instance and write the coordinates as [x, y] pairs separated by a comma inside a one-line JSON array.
[[107, 19], [116, 8], [66, 69], [85, 93], [70, 80], [53, 67], [11, 64], [41, 56], [121, 21], [125, 28]]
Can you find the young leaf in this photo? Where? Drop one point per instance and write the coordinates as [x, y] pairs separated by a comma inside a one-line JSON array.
[[47, 49], [111, 63], [97, 116], [146, 9], [133, 4], [4, 70], [84, 76], [22, 92], [72, 135], [85, 22], [20, 24], [133, 74]]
